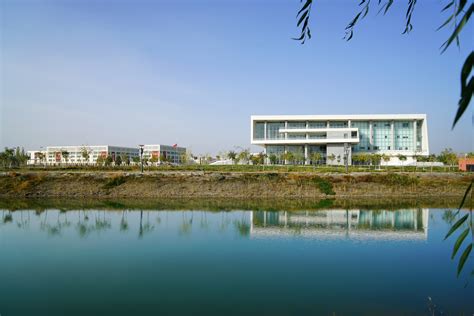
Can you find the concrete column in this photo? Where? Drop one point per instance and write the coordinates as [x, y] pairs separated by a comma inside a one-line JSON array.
[[392, 133], [265, 130], [286, 126], [370, 134], [306, 161], [349, 123], [414, 135]]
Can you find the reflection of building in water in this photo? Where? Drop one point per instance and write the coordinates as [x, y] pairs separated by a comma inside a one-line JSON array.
[[359, 224]]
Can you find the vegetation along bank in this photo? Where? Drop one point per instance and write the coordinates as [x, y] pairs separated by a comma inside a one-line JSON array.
[[231, 184]]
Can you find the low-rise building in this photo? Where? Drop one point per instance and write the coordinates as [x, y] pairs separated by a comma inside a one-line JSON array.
[[466, 164], [157, 154], [60, 155], [80, 154]]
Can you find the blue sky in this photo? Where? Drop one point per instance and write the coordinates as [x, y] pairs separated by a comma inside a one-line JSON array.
[[192, 72]]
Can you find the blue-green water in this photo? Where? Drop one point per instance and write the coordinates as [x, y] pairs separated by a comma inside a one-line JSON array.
[[332, 262]]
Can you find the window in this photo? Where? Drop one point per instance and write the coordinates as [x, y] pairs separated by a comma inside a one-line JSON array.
[[259, 132], [354, 134]]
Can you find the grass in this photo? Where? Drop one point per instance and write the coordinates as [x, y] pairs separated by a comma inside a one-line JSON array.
[[237, 168], [324, 186], [114, 182]]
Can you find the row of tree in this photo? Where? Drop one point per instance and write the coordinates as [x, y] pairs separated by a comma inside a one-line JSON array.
[[13, 157]]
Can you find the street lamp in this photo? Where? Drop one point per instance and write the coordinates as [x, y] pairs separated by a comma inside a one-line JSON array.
[[346, 157], [141, 155]]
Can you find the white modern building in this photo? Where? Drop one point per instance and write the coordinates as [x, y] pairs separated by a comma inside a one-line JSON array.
[[58, 155], [338, 137], [164, 153], [80, 154]]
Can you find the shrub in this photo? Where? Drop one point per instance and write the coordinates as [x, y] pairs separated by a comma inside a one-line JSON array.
[[114, 182]]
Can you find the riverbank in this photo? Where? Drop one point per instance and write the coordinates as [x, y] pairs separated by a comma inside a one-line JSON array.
[[231, 185]]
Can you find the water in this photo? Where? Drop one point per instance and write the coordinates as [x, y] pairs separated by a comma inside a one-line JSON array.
[[330, 262]]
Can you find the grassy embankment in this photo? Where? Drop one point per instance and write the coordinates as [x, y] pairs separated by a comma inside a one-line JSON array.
[[246, 185]]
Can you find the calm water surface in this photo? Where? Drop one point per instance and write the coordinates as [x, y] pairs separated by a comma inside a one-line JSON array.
[[331, 262]]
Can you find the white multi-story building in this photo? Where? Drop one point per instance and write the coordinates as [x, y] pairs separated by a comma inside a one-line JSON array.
[[164, 153], [338, 137], [89, 154], [80, 154]]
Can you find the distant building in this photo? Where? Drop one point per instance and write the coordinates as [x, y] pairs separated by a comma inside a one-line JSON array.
[[466, 164], [341, 136], [164, 153], [77, 154]]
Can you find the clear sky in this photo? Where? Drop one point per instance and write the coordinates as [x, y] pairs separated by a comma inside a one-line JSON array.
[[192, 72]]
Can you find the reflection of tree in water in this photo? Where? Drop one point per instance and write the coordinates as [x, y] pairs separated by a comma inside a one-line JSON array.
[[56, 228], [100, 224], [186, 224], [243, 226], [7, 217], [24, 221], [204, 223], [449, 216], [123, 222], [146, 227], [224, 222]]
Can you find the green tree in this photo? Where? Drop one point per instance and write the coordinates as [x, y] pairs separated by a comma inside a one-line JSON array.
[[331, 158], [402, 159], [65, 155], [244, 156], [85, 153], [232, 155], [273, 159], [108, 160], [118, 160], [448, 157], [385, 158], [100, 160], [376, 159], [315, 158]]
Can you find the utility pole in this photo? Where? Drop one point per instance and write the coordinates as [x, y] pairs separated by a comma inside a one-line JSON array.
[[346, 157], [141, 155]]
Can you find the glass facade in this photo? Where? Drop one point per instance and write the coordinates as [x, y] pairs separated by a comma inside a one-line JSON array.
[[364, 134], [259, 130], [295, 125], [273, 130], [317, 124], [381, 135], [404, 135]]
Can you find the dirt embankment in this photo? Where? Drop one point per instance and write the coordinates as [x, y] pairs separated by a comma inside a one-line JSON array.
[[231, 185]]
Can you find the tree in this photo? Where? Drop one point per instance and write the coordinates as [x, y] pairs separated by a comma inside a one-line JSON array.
[[100, 160], [136, 160], [376, 158], [108, 160], [402, 158], [85, 153], [315, 158], [232, 155], [331, 158], [385, 158], [448, 157], [244, 156], [457, 19], [298, 158], [118, 160], [65, 155], [273, 159]]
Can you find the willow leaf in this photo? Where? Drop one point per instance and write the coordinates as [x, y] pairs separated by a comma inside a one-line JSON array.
[[459, 242], [302, 17], [458, 28], [449, 5], [306, 5], [456, 225], [464, 257]]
